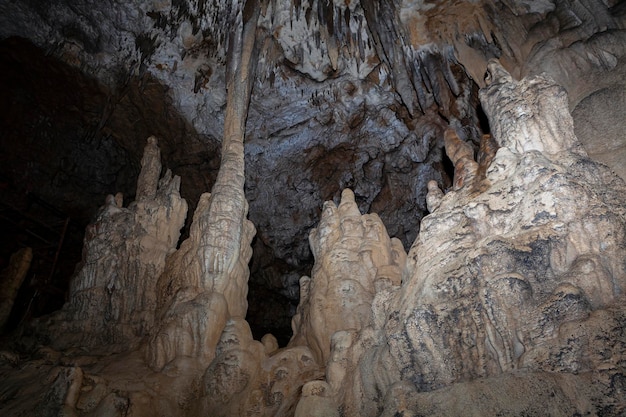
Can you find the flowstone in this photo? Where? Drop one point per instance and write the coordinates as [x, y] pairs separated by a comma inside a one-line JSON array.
[[513, 288]]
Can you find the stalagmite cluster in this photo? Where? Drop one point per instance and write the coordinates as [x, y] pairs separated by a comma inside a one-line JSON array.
[[512, 290], [114, 293], [510, 300]]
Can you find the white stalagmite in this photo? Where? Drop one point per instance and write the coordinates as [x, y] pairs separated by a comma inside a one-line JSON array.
[[206, 283]]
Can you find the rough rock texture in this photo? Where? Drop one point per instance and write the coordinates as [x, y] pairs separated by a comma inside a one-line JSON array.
[[248, 377], [322, 102], [511, 299], [349, 94], [113, 296], [353, 255], [208, 282], [520, 285]]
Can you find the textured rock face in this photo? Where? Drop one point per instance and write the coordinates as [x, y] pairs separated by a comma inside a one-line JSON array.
[[353, 255], [248, 377], [510, 301], [511, 282], [11, 278], [113, 296], [208, 283], [348, 94], [322, 102]]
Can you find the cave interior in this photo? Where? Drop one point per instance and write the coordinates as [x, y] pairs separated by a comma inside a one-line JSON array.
[[357, 95]]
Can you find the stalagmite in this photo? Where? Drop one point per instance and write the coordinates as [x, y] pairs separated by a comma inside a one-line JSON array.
[[11, 279], [495, 284], [537, 125], [433, 198], [507, 284], [206, 283], [113, 295], [148, 180], [352, 252]]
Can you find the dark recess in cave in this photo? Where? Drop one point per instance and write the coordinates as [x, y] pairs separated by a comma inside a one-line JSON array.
[[68, 141]]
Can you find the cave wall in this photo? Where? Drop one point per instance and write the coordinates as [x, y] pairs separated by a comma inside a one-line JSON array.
[[512, 283], [347, 94]]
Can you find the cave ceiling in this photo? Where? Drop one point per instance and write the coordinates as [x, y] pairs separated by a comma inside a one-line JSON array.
[[346, 94]]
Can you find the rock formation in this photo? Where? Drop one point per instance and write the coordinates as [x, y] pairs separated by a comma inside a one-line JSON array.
[[520, 285], [510, 300], [354, 256], [113, 296], [207, 283], [347, 95]]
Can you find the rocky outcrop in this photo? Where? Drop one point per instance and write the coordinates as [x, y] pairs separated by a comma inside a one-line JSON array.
[[510, 301], [113, 295], [248, 377], [348, 95], [520, 284]]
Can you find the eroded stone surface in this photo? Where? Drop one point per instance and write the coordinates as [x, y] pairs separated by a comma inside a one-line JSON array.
[[495, 279], [511, 296], [352, 252], [113, 296], [209, 284]]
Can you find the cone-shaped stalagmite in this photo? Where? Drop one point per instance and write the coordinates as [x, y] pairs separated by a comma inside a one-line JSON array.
[[207, 280]]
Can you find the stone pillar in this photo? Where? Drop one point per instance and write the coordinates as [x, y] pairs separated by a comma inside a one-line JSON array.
[[11, 280]]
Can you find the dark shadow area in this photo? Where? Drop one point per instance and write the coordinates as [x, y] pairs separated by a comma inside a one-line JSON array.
[[66, 141]]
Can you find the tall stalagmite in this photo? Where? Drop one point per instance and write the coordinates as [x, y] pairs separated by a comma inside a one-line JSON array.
[[206, 283]]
